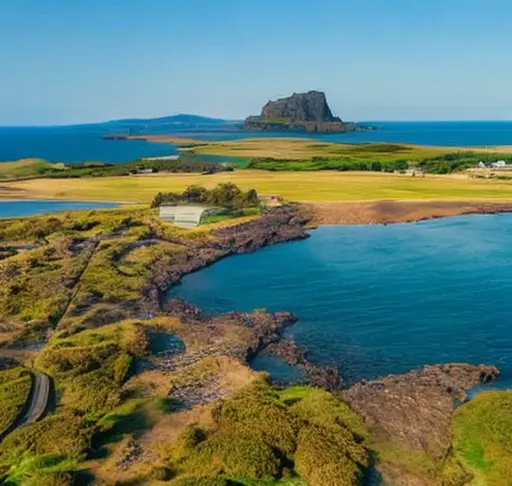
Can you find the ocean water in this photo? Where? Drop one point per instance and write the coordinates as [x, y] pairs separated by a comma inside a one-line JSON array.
[[85, 143], [380, 299], [19, 209], [82, 143], [464, 134]]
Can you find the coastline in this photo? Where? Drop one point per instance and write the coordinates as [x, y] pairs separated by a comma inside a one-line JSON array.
[[425, 396], [399, 211]]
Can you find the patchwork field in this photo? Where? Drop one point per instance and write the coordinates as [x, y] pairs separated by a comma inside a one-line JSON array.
[[293, 186]]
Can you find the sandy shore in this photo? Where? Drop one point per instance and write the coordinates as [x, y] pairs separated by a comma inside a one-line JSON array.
[[386, 212]]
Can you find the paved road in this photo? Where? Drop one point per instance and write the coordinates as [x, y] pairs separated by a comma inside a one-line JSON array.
[[38, 399]]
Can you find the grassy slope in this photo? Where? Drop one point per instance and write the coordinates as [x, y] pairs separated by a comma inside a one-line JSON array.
[[26, 168], [15, 387], [482, 432], [310, 186]]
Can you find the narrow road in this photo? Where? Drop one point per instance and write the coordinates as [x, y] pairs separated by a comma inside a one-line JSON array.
[[39, 397]]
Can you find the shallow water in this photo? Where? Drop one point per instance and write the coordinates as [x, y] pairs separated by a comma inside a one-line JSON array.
[[18, 209], [381, 299]]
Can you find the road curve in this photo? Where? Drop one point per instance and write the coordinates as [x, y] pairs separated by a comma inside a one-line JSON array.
[[39, 398]]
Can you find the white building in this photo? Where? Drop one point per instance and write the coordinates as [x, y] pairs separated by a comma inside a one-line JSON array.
[[186, 216]]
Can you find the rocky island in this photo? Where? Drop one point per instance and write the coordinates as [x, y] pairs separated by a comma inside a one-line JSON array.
[[302, 112]]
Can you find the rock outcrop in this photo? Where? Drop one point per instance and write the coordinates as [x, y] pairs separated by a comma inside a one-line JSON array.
[[307, 112]]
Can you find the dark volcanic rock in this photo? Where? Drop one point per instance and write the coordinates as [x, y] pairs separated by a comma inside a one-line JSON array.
[[303, 107], [307, 112], [326, 377]]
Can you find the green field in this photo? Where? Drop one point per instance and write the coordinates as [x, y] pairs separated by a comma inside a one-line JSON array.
[[15, 387], [293, 186], [482, 432]]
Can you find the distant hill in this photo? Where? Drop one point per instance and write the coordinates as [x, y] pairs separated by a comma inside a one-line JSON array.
[[169, 124], [180, 119]]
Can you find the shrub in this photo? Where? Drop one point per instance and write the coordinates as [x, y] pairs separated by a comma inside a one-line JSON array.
[[324, 458], [257, 413], [318, 407], [234, 455]]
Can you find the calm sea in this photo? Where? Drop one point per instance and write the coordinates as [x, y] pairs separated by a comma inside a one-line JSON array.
[[18, 209], [380, 299], [85, 142], [74, 144], [464, 134]]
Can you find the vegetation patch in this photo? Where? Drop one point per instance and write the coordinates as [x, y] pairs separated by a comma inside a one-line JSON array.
[[482, 430], [262, 435], [91, 367], [225, 195], [15, 386], [58, 441], [187, 162]]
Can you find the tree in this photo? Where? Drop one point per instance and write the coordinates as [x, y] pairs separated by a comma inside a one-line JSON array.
[[224, 195], [195, 194]]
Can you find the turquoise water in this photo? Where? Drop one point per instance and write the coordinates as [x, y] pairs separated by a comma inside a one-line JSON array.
[[381, 299], [18, 209], [85, 143]]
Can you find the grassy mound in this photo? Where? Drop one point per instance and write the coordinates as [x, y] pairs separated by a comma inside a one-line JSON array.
[[15, 385], [90, 367], [482, 430], [263, 436]]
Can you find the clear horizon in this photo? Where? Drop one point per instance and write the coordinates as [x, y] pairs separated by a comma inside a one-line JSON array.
[[62, 125], [89, 62]]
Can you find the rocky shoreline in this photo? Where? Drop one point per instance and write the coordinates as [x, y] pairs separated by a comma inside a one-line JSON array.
[[412, 411], [279, 225]]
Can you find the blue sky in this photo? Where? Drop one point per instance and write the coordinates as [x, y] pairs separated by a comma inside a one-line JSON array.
[[76, 61]]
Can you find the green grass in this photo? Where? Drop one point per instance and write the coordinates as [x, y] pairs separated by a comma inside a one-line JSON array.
[[31, 168], [35, 286], [28, 168], [293, 186], [88, 266], [15, 386], [482, 430]]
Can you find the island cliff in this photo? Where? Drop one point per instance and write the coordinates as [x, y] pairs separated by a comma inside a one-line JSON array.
[[303, 112]]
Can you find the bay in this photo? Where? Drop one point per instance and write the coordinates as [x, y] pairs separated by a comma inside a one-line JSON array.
[[380, 299]]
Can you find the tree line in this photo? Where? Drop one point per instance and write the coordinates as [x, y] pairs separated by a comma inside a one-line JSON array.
[[225, 195]]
